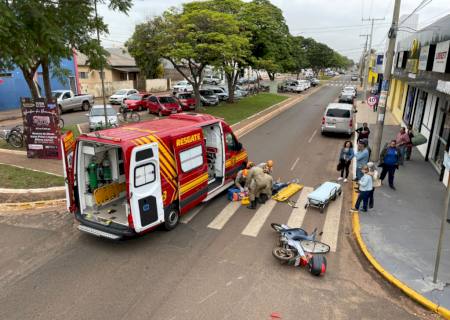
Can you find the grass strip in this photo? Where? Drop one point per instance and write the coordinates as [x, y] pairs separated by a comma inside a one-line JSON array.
[[18, 178]]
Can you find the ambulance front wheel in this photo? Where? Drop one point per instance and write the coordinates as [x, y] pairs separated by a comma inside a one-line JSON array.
[[171, 218]]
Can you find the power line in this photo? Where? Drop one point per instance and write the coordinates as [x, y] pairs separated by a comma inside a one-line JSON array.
[[422, 5]]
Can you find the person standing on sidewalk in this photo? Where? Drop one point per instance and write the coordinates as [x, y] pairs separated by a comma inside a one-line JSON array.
[[376, 182], [362, 157], [409, 146], [365, 188], [345, 159], [363, 132], [402, 141], [389, 159]]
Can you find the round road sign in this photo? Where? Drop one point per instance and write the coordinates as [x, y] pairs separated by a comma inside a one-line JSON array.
[[372, 100]]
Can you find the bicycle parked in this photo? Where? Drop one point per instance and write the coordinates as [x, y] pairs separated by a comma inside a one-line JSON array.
[[13, 136], [126, 115]]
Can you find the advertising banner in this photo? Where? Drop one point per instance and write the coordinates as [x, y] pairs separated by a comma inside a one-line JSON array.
[[423, 58], [441, 57], [41, 130]]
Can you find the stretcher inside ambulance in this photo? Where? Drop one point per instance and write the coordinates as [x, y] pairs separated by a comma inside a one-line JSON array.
[[125, 181]]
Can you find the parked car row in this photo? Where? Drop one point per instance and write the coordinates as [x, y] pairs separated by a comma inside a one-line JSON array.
[[297, 86]]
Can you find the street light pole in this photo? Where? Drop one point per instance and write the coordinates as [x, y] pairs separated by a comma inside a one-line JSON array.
[[102, 74], [369, 56], [362, 62], [385, 85]]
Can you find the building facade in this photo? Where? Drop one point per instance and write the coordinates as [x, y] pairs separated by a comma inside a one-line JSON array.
[[420, 89], [13, 85]]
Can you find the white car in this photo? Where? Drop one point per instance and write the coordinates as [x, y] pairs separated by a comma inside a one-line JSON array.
[[120, 96], [211, 80], [182, 86], [349, 91], [305, 83], [97, 117]]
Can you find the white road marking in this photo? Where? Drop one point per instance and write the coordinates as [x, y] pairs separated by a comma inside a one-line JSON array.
[[190, 215], [314, 133], [331, 225], [298, 214], [254, 226], [295, 163], [222, 218], [207, 297]]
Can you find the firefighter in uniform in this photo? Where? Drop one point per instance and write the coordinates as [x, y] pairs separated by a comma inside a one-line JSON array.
[[259, 183], [267, 166], [241, 179]]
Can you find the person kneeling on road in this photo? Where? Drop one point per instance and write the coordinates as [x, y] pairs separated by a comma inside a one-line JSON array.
[[267, 166], [259, 183], [241, 179]]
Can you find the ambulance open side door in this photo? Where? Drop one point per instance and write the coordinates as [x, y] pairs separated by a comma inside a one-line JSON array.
[[146, 202], [68, 147], [192, 169]]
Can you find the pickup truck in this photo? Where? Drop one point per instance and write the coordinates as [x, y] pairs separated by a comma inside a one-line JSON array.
[[67, 100]]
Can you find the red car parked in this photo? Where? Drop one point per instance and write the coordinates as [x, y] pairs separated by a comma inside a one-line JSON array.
[[137, 101], [186, 100], [163, 105]]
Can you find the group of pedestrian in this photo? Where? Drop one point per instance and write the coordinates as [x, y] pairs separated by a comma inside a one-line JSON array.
[[257, 181]]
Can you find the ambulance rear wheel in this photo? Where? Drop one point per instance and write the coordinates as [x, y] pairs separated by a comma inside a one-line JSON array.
[[171, 218]]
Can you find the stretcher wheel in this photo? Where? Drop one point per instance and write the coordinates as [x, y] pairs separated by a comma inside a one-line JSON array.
[[321, 209]]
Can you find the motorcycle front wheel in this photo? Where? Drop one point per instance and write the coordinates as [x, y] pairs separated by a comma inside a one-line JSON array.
[[276, 226], [283, 254]]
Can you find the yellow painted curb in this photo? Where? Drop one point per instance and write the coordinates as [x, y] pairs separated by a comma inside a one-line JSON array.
[[16, 206], [407, 290]]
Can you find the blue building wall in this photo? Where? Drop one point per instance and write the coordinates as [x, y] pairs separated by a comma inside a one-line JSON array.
[[14, 87]]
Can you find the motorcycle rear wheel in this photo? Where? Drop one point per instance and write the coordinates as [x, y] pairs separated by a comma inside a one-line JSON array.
[[283, 254]]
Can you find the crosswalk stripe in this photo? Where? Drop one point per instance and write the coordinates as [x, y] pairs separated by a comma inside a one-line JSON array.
[[222, 218], [298, 214], [258, 220], [331, 225]]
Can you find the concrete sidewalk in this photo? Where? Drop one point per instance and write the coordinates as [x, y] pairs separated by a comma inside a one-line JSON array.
[[402, 230]]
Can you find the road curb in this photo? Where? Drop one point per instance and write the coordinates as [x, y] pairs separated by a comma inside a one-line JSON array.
[[17, 206], [414, 295], [22, 153]]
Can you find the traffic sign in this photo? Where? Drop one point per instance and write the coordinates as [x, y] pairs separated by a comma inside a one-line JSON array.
[[372, 100]]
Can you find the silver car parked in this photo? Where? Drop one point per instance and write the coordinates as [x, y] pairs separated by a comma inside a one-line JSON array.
[[338, 118]]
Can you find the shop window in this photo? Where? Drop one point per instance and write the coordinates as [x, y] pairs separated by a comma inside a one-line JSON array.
[[191, 159], [419, 112], [83, 75]]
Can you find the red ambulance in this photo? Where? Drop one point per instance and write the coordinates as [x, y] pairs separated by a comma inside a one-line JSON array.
[[125, 181]]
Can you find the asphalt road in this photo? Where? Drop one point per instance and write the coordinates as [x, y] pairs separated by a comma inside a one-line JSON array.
[[49, 270]]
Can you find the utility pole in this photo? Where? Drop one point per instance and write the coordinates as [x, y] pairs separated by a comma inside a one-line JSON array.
[[363, 57], [369, 55], [102, 73], [392, 35]]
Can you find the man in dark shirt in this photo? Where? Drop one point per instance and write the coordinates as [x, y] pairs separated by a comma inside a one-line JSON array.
[[363, 132]]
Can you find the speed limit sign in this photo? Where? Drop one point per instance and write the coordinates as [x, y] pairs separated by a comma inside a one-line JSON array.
[[372, 100]]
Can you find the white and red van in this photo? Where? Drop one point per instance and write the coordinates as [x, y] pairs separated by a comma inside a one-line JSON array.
[[126, 181]]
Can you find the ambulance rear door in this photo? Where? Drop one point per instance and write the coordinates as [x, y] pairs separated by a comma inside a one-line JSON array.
[[145, 187], [68, 146], [192, 167]]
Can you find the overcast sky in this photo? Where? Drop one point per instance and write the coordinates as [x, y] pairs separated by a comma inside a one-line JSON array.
[[336, 23]]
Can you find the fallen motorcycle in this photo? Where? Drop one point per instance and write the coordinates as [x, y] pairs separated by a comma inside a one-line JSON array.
[[297, 247]]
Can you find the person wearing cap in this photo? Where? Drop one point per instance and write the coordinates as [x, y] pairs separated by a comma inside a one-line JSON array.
[[241, 178], [267, 166], [365, 187], [259, 185]]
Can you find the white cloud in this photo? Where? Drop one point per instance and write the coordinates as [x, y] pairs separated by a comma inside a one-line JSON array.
[[310, 18]]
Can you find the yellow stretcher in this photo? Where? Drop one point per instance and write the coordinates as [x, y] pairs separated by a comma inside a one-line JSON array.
[[108, 192], [285, 193]]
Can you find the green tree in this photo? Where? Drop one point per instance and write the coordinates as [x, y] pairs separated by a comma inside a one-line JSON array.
[[37, 33], [147, 57], [270, 36], [298, 56], [236, 50]]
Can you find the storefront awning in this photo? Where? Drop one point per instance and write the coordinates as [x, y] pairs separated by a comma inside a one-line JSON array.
[[127, 69]]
